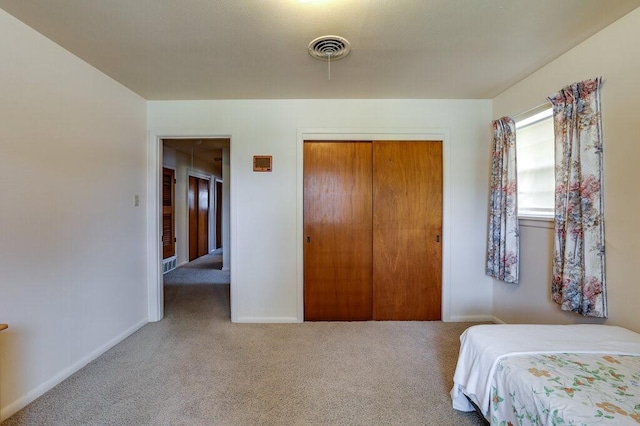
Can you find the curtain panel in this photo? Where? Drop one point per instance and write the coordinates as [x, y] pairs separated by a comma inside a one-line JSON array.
[[503, 237], [578, 255]]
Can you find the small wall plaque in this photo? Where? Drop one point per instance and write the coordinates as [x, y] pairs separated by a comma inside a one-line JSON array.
[[262, 163]]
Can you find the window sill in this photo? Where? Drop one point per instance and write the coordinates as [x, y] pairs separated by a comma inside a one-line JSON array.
[[532, 221]]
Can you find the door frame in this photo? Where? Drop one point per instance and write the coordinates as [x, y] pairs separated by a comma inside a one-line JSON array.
[[155, 291], [397, 134]]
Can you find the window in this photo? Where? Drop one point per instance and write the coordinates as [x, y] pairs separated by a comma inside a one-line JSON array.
[[535, 165]]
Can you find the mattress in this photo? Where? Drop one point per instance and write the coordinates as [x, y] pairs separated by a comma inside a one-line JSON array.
[[488, 352]]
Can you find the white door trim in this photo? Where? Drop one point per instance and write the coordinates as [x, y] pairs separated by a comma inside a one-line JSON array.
[[199, 175], [155, 298]]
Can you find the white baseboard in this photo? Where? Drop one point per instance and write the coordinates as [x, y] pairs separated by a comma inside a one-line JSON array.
[[274, 320], [470, 318], [498, 320], [32, 395], [266, 320]]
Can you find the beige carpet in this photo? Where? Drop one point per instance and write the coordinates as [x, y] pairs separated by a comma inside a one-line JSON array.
[[197, 368]]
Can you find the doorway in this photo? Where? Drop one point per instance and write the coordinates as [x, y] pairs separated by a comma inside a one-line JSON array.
[[190, 163]]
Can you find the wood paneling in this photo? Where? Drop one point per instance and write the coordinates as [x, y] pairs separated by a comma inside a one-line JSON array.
[[337, 226], [407, 229]]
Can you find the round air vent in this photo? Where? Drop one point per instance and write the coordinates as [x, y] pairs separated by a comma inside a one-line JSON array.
[[329, 47]]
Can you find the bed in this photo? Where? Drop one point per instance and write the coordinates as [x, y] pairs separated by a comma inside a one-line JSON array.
[[549, 374]]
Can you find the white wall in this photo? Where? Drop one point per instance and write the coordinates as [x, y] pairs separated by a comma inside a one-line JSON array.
[[72, 258], [266, 267], [614, 54]]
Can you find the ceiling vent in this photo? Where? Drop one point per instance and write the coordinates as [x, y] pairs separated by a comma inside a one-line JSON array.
[[329, 48]]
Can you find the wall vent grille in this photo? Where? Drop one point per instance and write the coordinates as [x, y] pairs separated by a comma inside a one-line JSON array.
[[168, 265]]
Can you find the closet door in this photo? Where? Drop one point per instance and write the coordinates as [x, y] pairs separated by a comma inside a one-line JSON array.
[[193, 218], [407, 230], [337, 230], [198, 200], [203, 217], [218, 214]]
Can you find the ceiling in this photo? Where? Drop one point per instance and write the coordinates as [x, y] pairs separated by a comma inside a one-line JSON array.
[[257, 49], [208, 151]]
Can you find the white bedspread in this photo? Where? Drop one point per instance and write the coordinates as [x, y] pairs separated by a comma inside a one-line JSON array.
[[483, 345]]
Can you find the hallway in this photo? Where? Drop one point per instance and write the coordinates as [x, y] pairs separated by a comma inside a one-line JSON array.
[[203, 270]]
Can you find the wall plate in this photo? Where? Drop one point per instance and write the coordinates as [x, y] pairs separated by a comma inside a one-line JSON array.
[[262, 163]]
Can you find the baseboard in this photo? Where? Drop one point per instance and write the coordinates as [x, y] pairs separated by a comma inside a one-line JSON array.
[[471, 318], [266, 320], [20, 403], [498, 320]]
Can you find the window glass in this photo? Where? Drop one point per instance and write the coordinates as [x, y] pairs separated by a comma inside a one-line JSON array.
[[535, 165]]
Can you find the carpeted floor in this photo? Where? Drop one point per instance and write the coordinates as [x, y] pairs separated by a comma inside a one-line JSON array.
[[203, 270], [197, 368]]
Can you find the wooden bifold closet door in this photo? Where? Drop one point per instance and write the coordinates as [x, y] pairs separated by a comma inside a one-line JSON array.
[[338, 234], [407, 223], [372, 229]]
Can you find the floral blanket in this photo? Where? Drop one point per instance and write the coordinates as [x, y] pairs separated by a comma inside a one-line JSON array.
[[566, 389], [482, 346]]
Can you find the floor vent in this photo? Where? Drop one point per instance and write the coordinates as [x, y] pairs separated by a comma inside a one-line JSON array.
[[168, 265]]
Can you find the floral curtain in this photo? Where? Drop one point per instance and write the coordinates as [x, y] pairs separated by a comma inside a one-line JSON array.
[[578, 255], [503, 239]]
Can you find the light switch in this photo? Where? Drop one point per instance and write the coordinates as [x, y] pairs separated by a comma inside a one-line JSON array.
[[136, 200]]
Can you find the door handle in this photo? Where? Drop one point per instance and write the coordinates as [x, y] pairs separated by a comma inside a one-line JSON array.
[[308, 239]]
